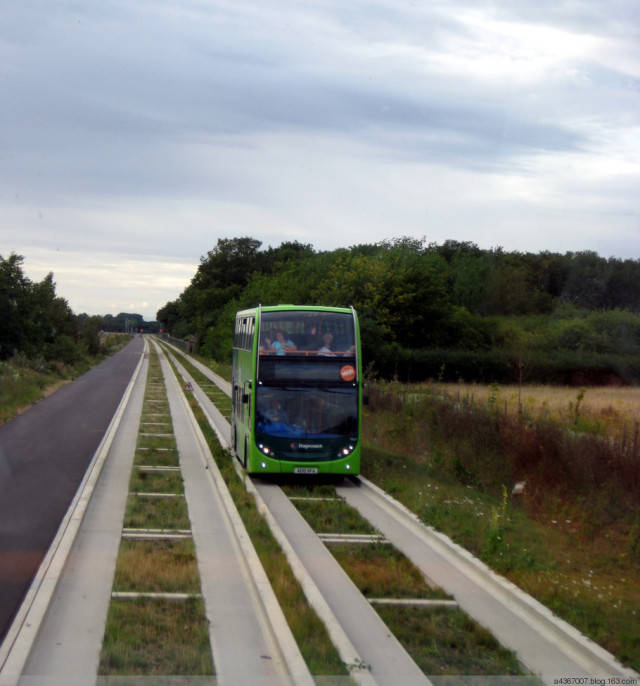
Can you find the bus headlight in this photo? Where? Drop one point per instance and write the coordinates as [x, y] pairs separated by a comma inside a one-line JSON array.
[[346, 451], [264, 449]]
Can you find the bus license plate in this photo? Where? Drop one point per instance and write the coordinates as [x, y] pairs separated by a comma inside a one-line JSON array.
[[305, 470]]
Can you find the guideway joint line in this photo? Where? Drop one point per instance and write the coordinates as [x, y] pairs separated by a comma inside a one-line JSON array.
[[298, 670], [134, 595], [159, 532], [22, 633], [426, 602], [156, 450], [154, 537], [143, 494]]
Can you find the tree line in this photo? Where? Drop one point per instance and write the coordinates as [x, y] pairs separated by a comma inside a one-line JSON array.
[[449, 311], [38, 324]]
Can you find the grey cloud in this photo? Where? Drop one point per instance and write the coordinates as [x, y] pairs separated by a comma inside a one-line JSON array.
[[160, 102]]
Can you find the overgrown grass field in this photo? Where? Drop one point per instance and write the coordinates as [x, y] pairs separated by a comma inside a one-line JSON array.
[[606, 410], [571, 538]]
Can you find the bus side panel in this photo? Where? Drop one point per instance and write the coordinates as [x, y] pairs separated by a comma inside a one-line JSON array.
[[243, 375]]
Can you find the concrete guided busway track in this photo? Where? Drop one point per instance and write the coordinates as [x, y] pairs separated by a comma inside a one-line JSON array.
[[545, 644]]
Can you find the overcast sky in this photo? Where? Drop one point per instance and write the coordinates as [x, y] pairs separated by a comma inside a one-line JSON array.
[[133, 135]]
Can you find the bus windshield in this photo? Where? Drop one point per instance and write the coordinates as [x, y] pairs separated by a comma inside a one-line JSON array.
[[306, 412], [306, 333]]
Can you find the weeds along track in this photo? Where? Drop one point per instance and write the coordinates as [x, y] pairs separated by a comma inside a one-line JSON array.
[[420, 583]]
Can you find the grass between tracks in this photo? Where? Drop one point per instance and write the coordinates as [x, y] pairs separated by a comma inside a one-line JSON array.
[[156, 637], [441, 641], [309, 632], [146, 636]]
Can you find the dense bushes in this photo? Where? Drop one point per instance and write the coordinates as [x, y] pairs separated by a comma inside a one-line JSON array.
[[561, 367], [38, 324]]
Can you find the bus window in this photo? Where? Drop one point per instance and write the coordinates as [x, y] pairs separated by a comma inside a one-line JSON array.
[[311, 333]]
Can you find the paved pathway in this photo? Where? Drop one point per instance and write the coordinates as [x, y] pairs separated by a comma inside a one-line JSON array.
[[43, 456]]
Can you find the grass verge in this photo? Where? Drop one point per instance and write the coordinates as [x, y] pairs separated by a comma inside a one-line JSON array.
[[156, 482], [156, 513], [589, 582], [24, 382]]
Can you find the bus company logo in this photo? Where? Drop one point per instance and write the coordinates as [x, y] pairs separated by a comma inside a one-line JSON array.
[[309, 446], [347, 372]]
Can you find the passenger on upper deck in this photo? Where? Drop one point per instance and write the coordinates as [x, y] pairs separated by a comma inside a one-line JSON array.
[[311, 339], [328, 348], [280, 344], [325, 348], [265, 343]]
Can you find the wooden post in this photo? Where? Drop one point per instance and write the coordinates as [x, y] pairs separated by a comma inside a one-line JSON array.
[[520, 368]]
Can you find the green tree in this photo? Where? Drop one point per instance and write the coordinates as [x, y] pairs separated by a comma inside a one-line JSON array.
[[14, 293]]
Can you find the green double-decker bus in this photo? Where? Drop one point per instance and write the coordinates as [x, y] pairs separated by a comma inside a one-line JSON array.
[[297, 390]]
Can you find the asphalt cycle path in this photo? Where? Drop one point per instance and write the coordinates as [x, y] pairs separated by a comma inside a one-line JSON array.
[[44, 454]]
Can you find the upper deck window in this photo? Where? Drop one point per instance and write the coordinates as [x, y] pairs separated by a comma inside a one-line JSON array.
[[307, 333]]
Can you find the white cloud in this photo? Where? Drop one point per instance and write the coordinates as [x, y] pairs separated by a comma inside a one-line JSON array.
[[106, 283]]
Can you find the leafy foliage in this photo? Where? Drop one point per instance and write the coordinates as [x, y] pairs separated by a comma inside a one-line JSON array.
[[39, 325], [429, 310], [34, 321]]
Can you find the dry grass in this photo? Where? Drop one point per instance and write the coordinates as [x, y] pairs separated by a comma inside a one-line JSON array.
[[611, 407], [572, 540], [381, 571], [157, 567]]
